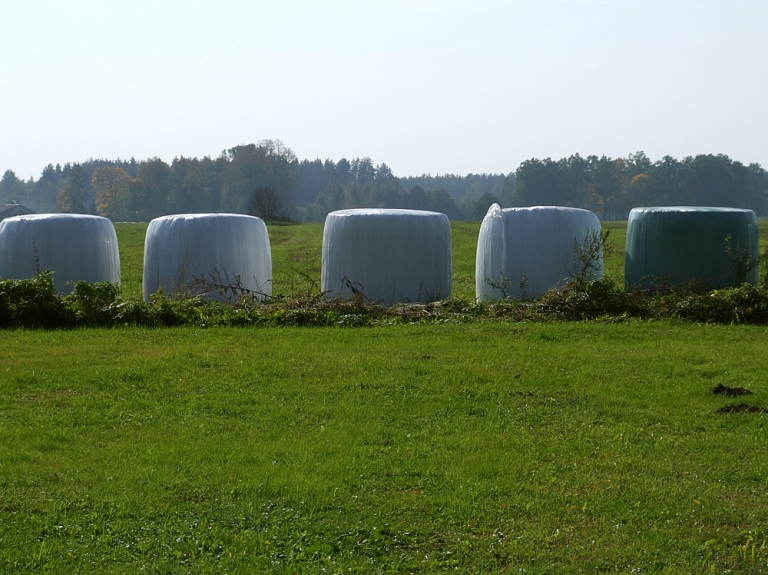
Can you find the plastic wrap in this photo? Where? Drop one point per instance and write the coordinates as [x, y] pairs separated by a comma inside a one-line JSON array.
[[675, 245], [387, 255], [208, 253], [74, 247], [523, 252]]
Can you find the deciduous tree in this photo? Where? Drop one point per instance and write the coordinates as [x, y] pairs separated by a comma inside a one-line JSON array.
[[113, 189], [73, 197], [266, 204]]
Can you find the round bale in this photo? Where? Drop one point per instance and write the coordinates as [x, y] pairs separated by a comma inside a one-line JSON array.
[[706, 248], [387, 255], [74, 247], [219, 255], [523, 252]]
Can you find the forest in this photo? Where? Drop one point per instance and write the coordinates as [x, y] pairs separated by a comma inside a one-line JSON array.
[[268, 180]]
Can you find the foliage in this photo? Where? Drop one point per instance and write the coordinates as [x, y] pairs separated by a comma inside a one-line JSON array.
[[266, 203], [743, 304], [762, 263], [311, 188], [33, 303], [113, 192], [73, 198], [589, 255], [741, 258], [611, 188], [476, 209], [590, 299], [150, 194], [381, 194], [92, 304], [269, 163]]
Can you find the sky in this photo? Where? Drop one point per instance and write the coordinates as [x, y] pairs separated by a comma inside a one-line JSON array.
[[425, 86]]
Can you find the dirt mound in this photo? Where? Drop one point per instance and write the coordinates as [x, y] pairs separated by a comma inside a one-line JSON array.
[[742, 408], [721, 389]]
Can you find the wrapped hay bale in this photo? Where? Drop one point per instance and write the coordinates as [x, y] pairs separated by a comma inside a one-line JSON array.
[[387, 255], [219, 255], [523, 252], [73, 246], [709, 248]]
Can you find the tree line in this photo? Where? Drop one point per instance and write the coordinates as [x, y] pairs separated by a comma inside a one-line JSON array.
[[267, 179], [612, 187]]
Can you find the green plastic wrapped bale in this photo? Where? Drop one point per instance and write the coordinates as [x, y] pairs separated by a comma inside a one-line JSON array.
[[708, 248]]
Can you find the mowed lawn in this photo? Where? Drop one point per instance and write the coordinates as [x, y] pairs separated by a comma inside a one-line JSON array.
[[480, 448]]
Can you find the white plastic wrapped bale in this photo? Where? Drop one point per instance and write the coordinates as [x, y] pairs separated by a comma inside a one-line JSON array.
[[74, 247], [209, 254], [524, 252], [676, 245], [390, 256]]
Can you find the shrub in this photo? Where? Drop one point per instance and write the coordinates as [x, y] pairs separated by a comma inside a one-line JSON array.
[[743, 304], [34, 303], [579, 300], [93, 304]]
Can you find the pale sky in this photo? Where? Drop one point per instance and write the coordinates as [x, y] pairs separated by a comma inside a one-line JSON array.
[[425, 86]]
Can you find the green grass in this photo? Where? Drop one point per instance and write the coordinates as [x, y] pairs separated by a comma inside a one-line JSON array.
[[548, 448], [464, 248], [296, 258], [130, 240], [614, 259]]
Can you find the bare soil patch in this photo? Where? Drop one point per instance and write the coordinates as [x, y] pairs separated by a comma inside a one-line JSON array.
[[721, 389], [742, 408]]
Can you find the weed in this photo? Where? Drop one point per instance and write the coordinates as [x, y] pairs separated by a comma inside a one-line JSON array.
[[34, 303], [523, 285], [741, 258], [763, 265], [589, 254], [220, 283], [503, 285]]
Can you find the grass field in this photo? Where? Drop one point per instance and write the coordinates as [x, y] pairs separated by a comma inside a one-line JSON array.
[[478, 448]]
